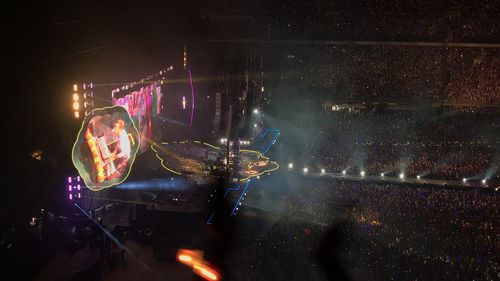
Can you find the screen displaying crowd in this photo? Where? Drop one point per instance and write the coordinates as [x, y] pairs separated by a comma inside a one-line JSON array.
[[142, 104]]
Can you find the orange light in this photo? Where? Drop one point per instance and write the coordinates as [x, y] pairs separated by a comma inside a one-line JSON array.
[[76, 105], [189, 257], [77, 114], [206, 272], [75, 87], [185, 258], [75, 97]]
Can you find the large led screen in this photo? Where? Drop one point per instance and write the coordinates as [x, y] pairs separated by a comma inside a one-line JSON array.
[[106, 147], [142, 104]]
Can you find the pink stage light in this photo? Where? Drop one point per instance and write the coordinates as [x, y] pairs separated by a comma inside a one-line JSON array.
[[183, 102], [192, 97], [69, 179], [78, 187], [70, 187], [78, 194], [71, 197]]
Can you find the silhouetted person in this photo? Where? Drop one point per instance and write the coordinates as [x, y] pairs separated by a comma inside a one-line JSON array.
[[329, 248]]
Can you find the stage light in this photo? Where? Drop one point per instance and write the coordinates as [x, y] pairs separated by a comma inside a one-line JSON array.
[[382, 174], [305, 170], [70, 187], [464, 180], [75, 87], [189, 257], [418, 177], [255, 125], [77, 114], [322, 171], [256, 111], [402, 176], [205, 272], [258, 177], [70, 196], [484, 181], [69, 179], [362, 173], [262, 89], [76, 97], [343, 172], [290, 166], [185, 258], [183, 102], [76, 105]]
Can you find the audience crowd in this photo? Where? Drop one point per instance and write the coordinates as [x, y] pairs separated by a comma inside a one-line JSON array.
[[464, 76], [440, 146], [456, 20], [384, 232]]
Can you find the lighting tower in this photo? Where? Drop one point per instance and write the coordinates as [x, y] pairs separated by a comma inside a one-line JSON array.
[[83, 99], [88, 98], [75, 188], [185, 58], [76, 101]]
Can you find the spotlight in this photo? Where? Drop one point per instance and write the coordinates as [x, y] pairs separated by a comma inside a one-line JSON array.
[[464, 180], [258, 177], [402, 176], [322, 171], [343, 172], [305, 170], [484, 181], [382, 174], [418, 177], [290, 166], [362, 173], [256, 111], [255, 125]]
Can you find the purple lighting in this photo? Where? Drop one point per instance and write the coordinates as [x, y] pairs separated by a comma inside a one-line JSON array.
[[69, 187], [78, 194], [70, 196], [192, 97], [69, 179], [78, 187]]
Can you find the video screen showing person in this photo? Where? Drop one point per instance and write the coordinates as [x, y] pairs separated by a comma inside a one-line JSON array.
[[106, 147]]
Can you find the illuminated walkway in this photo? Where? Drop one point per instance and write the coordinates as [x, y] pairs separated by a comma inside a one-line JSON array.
[[387, 179]]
